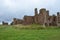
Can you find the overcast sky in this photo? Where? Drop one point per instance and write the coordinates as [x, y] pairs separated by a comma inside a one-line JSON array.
[[18, 8]]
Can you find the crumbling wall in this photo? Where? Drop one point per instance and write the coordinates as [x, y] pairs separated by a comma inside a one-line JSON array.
[[28, 19], [4, 23], [16, 21]]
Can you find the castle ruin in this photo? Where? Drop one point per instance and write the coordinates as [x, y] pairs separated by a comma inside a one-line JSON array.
[[42, 18]]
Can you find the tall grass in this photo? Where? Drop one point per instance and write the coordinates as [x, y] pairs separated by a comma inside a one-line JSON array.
[[34, 26]]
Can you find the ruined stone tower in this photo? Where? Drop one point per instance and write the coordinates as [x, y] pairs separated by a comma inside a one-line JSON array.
[[58, 18], [42, 16], [36, 16], [36, 12]]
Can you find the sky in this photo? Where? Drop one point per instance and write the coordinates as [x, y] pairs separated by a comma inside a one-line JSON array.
[[10, 9]]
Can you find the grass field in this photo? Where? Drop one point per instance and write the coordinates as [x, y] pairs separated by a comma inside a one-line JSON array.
[[11, 33]]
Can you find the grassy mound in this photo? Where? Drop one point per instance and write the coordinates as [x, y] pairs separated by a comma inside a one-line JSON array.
[[11, 33]]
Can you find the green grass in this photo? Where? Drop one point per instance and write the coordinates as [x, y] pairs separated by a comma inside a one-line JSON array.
[[11, 33]]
